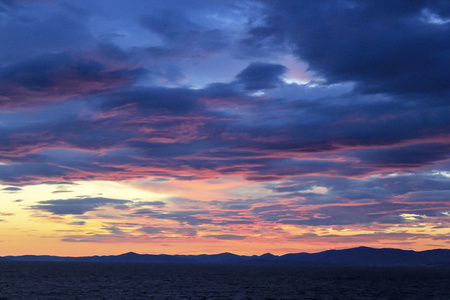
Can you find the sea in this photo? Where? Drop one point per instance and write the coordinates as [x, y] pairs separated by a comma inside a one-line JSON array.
[[65, 280]]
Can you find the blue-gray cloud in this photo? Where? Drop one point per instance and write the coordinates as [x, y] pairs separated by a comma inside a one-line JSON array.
[[12, 189], [182, 37], [78, 206], [24, 34], [227, 236]]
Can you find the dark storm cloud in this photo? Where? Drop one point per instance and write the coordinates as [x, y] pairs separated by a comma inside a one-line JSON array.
[[78, 206], [384, 46], [258, 76]]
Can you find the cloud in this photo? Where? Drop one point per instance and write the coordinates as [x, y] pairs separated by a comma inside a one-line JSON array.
[[61, 191], [55, 77], [372, 43], [256, 139], [114, 230], [78, 206], [152, 230], [259, 76], [183, 231], [369, 238], [12, 189], [150, 203], [275, 207], [182, 37], [126, 94], [24, 34], [379, 213], [382, 200], [164, 101], [227, 236], [78, 223], [185, 217], [233, 205], [143, 211], [58, 182], [407, 156], [6, 214], [186, 231]]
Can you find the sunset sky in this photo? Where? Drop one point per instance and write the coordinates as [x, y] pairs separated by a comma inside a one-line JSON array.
[[188, 127]]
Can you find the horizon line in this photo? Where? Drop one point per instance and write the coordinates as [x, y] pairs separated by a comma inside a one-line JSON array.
[[226, 252]]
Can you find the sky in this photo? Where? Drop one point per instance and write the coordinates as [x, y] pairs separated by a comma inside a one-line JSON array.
[[208, 126]]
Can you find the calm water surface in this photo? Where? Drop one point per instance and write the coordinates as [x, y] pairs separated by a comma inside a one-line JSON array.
[[45, 280]]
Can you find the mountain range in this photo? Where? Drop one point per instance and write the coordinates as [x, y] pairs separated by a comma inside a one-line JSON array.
[[360, 256]]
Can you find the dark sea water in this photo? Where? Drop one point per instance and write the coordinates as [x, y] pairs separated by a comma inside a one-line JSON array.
[[51, 280]]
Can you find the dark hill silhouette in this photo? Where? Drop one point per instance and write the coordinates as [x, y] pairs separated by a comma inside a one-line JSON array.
[[364, 256], [222, 258], [361, 256]]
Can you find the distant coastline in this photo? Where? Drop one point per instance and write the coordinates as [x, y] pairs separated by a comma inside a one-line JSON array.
[[360, 256]]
